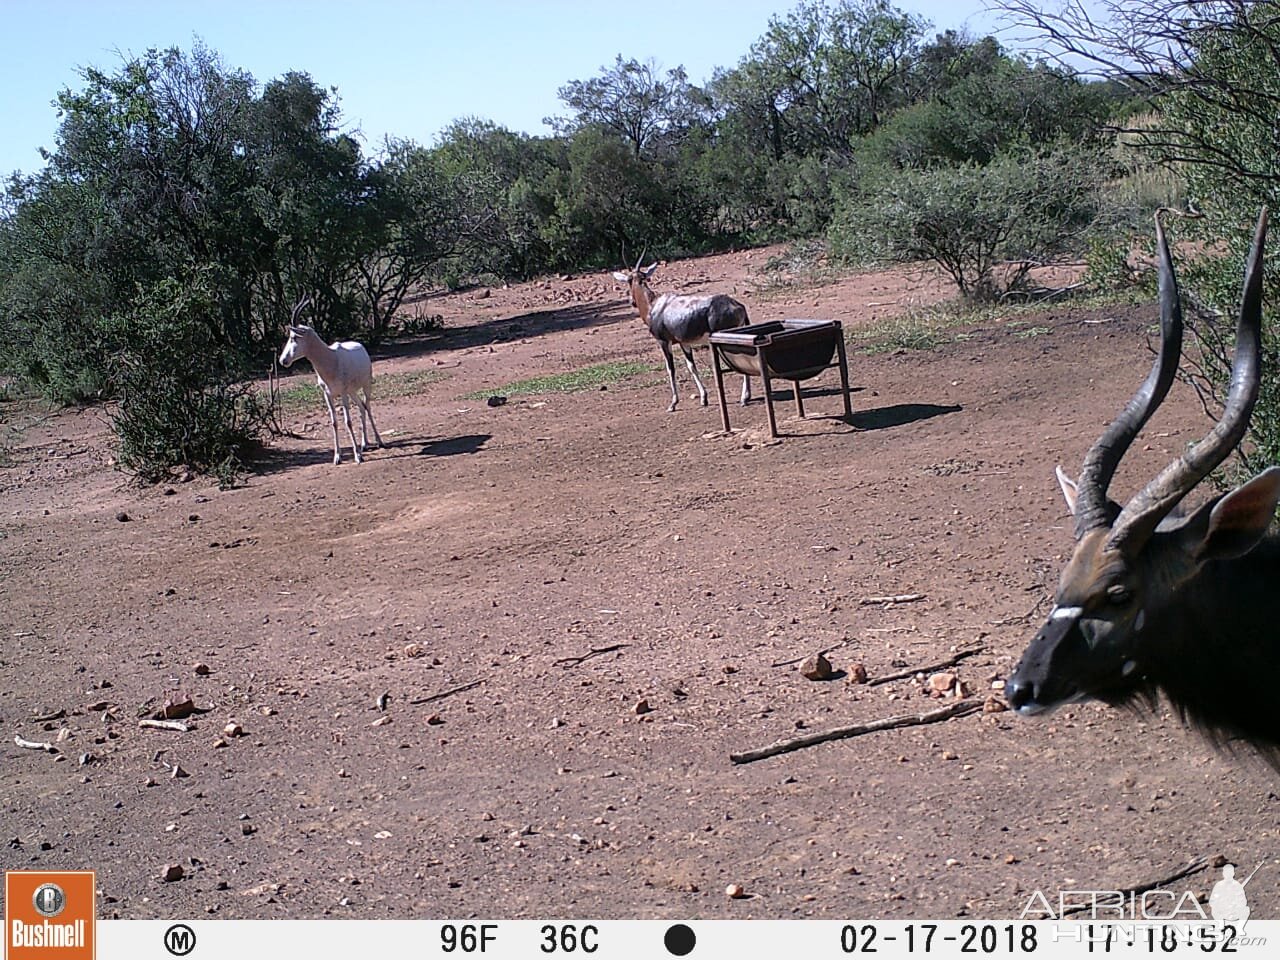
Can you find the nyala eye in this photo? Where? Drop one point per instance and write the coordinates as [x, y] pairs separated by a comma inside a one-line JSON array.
[[1118, 594]]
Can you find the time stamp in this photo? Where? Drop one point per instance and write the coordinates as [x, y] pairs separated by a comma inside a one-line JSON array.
[[744, 938]]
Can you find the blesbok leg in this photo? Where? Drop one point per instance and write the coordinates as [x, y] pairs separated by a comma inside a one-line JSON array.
[[333, 422], [688, 360], [364, 406], [671, 374], [746, 391], [346, 418]]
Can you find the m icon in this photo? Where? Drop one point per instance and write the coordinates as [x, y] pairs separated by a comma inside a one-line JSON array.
[[179, 940]]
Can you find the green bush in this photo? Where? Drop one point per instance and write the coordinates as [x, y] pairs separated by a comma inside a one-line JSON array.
[[182, 401], [987, 226]]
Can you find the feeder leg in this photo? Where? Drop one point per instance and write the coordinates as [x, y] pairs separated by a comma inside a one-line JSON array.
[[768, 393], [719, 375], [795, 385], [844, 373]]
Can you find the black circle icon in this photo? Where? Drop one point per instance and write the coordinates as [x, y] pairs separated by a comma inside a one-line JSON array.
[[679, 940]]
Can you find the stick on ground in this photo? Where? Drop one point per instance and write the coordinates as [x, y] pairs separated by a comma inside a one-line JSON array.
[[896, 598], [177, 726], [568, 662], [958, 709], [1193, 866], [931, 668], [35, 745], [446, 693]]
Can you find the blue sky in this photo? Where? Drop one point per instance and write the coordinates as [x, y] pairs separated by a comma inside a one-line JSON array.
[[400, 68]]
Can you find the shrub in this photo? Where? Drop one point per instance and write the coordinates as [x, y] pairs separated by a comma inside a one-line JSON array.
[[986, 226], [181, 397]]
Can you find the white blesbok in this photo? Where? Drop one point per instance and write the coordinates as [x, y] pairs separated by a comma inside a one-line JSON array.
[[343, 369]]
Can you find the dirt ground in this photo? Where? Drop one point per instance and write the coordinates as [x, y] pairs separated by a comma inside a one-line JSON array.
[[486, 555]]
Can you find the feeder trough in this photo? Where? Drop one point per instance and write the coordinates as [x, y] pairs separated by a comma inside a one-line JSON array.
[[792, 350]]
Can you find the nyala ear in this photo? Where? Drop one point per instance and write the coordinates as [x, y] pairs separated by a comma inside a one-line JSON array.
[[1233, 525], [1068, 489], [621, 277]]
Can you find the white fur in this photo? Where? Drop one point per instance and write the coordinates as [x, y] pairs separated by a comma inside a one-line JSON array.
[[342, 369]]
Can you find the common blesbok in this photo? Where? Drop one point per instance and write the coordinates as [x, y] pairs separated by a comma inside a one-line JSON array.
[[1157, 599], [683, 321], [342, 369]]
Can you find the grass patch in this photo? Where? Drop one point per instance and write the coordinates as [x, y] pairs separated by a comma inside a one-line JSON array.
[[802, 266], [931, 327], [918, 330], [572, 381], [306, 396]]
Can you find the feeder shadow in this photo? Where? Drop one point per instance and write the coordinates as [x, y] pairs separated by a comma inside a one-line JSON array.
[[451, 446], [900, 414]]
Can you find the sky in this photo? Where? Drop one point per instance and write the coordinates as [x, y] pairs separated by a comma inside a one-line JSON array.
[[400, 68]]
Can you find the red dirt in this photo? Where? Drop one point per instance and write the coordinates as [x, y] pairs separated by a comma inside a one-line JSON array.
[[485, 545]]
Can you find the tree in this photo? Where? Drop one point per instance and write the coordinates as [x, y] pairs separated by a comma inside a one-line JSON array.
[[177, 178], [633, 102], [1209, 74], [824, 76]]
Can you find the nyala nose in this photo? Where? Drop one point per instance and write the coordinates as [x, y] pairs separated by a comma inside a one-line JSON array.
[[1019, 693]]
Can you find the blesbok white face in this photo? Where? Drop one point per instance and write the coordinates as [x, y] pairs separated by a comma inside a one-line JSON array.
[[1125, 601], [293, 346]]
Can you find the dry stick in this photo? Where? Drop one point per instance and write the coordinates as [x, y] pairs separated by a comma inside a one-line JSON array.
[[56, 715], [958, 709], [898, 598], [1194, 865], [824, 651], [446, 693], [932, 668], [568, 662], [34, 745], [175, 725]]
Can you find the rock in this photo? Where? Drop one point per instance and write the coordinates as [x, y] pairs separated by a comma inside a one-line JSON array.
[[381, 722], [858, 673], [942, 682], [123, 517], [641, 707], [177, 706], [735, 891], [201, 669], [994, 705], [171, 872], [435, 720], [817, 667], [233, 729], [496, 401]]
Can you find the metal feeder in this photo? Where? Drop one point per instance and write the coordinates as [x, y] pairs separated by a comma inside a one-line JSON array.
[[792, 350]]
